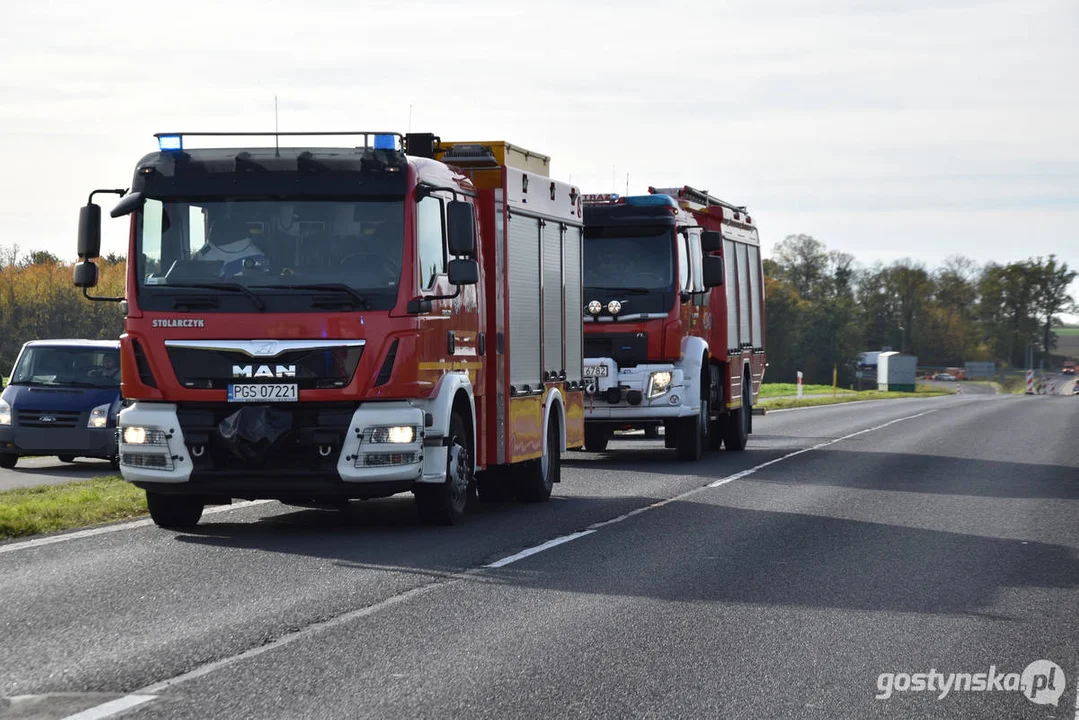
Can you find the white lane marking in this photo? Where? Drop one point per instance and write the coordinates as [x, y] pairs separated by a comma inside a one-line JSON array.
[[538, 549], [818, 446], [78, 534], [113, 707]]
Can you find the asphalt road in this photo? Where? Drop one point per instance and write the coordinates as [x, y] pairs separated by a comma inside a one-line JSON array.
[[31, 471], [903, 536]]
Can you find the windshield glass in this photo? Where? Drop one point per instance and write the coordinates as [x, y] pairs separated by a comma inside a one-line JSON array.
[[358, 243], [629, 257], [78, 366]]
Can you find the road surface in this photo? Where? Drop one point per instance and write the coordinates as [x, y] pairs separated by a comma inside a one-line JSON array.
[[850, 548]]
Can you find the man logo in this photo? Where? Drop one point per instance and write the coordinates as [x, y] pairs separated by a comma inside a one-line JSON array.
[[264, 371]]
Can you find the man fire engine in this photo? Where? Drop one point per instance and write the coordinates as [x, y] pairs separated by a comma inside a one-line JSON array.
[[316, 324], [673, 319]]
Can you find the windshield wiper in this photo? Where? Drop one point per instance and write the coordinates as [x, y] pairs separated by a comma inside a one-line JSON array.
[[629, 290], [359, 299], [234, 287]]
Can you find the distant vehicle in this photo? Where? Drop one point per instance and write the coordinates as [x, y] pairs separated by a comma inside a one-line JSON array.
[[946, 376], [1069, 367], [1075, 389], [62, 400]]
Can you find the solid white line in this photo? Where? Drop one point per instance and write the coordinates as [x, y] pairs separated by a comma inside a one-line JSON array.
[[538, 549], [112, 707], [818, 446], [79, 534]]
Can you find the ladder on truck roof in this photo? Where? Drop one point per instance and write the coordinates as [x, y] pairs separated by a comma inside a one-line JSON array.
[[700, 200]]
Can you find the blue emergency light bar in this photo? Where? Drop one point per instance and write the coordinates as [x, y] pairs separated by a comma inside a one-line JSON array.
[[170, 143], [650, 201]]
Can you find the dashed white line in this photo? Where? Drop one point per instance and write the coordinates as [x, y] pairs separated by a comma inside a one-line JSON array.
[[113, 707], [538, 549]]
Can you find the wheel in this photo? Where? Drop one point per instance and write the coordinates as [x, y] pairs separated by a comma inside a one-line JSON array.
[[736, 430], [444, 504], [693, 432], [595, 438], [66, 458], [8, 460], [114, 463], [174, 511], [537, 481]]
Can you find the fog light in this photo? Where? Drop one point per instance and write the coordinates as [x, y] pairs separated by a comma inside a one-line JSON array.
[[137, 435], [634, 397], [386, 459], [149, 461]]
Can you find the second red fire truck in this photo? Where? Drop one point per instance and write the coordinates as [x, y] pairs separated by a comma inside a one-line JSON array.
[[674, 319], [314, 324]]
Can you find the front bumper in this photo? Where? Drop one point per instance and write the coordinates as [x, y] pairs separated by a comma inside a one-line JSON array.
[[79, 441], [324, 451], [628, 384]]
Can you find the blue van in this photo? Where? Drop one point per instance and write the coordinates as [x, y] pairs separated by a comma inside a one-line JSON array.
[[62, 400]]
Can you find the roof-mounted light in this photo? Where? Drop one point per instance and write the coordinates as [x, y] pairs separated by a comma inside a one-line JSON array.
[[385, 141], [170, 143], [651, 201]]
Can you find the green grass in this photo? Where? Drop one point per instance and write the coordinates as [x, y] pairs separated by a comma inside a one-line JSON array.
[[48, 508], [1067, 331], [778, 389], [784, 403]]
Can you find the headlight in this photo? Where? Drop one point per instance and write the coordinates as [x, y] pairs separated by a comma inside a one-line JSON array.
[[395, 434], [659, 383], [595, 307], [136, 435], [99, 416], [5, 413]]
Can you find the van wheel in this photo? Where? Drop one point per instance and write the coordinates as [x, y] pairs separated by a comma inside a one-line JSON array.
[[537, 481], [8, 460], [444, 504], [174, 511], [66, 458]]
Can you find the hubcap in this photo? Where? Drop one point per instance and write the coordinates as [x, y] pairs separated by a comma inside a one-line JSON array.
[[457, 474]]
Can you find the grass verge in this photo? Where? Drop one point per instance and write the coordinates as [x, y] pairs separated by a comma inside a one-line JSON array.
[[778, 389], [784, 403], [48, 508]]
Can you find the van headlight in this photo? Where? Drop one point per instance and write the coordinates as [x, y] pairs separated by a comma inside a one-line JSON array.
[[5, 413], [659, 383], [99, 416]]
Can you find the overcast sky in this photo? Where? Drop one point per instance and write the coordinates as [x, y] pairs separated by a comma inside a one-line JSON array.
[[882, 129]]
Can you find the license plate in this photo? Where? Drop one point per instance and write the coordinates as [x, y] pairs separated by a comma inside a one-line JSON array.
[[263, 392], [595, 371]]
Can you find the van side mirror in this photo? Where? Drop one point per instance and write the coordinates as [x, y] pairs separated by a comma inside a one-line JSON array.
[[89, 232], [460, 229], [712, 270], [711, 241], [463, 272]]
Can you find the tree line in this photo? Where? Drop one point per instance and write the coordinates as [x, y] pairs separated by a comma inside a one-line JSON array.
[[38, 301], [822, 310]]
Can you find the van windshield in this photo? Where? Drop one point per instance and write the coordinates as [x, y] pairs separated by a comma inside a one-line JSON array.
[[68, 366]]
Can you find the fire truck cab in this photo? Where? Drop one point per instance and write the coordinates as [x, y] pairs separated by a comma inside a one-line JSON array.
[[315, 324]]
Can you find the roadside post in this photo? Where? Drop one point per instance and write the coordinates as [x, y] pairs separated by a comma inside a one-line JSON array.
[[799, 384]]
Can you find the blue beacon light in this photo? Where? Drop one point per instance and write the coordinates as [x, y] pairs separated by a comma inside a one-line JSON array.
[[170, 143], [385, 142]]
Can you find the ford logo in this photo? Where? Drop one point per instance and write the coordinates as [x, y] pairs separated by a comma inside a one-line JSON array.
[[47, 418]]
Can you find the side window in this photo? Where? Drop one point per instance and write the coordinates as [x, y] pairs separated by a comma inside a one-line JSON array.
[[430, 244], [695, 255], [683, 262]]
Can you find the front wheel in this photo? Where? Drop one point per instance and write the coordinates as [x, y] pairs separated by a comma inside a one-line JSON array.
[[693, 434], [66, 458], [736, 433], [8, 460], [540, 475], [444, 504], [174, 511]]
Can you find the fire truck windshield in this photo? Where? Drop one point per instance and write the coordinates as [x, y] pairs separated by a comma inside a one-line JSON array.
[[629, 257], [262, 244]]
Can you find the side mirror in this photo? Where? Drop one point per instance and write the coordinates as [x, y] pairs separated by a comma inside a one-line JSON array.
[[128, 204], [711, 241], [713, 270], [418, 306], [460, 229], [463, 272], [89, 233], [85, 274]]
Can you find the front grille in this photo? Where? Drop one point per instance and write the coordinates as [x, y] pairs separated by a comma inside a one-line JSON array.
[[626, 349], [49, 418], [304, 428], [213, 369]]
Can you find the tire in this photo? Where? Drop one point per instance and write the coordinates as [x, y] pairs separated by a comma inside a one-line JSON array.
[[8, 460], [537, 481], [66, 458], [445, 503], [174, 511], [693, 432], [114, 463], [596, 438], [736, 432]]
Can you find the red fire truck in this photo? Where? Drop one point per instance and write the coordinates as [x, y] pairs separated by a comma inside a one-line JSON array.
[[674, 319], [316, 324]]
